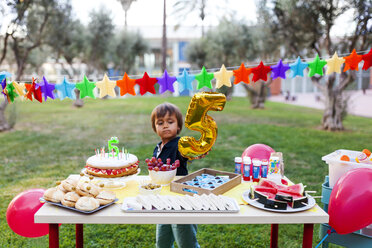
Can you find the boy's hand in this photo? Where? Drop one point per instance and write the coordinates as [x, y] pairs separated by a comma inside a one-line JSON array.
[[203, 155]]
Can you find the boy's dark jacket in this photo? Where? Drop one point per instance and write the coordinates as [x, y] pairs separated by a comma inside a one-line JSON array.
[[170, 150]]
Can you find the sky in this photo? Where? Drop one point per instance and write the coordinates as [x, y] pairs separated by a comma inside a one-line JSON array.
[[150, 13]]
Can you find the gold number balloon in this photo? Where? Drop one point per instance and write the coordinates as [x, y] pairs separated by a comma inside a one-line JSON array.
[[198, 120]]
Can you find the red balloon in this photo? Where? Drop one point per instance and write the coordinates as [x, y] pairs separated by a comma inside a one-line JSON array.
[[21, 211], [351, 200], [260, 151]]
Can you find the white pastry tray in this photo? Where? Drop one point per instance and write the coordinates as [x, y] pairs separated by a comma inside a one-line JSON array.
[[78, 210], [126, 209]]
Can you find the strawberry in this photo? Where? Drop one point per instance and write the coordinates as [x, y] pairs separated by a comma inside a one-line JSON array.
[[115, 172], [108, 171]]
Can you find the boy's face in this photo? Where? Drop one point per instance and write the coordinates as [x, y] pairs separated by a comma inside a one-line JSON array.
[[166, 127]]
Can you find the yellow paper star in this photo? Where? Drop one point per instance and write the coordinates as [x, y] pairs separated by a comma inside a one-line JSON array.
[[19, 88], [334, 64], [223, 77], [106, 87]]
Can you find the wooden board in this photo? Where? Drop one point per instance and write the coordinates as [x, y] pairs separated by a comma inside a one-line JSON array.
[[178, 186]]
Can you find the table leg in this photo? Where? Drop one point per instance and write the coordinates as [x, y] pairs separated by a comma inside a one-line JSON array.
[[79, 235], [53, 236], [274, 236], [307, 240]]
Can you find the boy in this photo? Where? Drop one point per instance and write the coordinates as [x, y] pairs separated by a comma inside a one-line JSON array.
[[167, 122]]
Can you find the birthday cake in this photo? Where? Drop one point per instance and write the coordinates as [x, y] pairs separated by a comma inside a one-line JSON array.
[[112, 164]]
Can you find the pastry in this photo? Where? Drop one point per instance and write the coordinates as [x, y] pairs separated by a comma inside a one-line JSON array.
[[86, 203], [70, 199], [53, 195], [61, 188], [105, 197], [69, 183], [87, 189]]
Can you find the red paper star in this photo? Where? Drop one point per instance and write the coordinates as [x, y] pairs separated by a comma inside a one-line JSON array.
[[126, 85], [367, 58], [146, 84], [260, 72], [34, 90], [242, 74], [352, 61]]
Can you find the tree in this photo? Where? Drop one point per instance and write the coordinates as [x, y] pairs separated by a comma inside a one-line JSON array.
[[26, 31], [289, 24], [219, 47], [100, 32], [127, 47], [126, 5]]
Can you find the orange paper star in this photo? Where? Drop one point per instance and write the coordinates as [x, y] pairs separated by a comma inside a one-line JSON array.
[[126, 85], [242, 74], [32, 90], [352, 61]]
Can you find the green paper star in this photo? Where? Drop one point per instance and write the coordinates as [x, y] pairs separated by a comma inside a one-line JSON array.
[[204, 79], [86, 88], [11, 92], [316, 66]]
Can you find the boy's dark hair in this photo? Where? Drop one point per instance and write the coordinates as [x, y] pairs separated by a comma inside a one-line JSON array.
[[162, 109]]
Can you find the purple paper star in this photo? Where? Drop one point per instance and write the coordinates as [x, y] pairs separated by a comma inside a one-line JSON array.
[[3, 85], [166, 82], [279, 70], [47, 89]]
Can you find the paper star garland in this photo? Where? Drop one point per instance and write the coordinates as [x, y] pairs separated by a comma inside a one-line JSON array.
[[10, 92], [106, 87], [204, 79], [260, 72], [367, 58], [279, 70], [126, 85], [47, 89], [65, 90], [242, 74], [334, 64], [185, 81], [316, 66], [146, 84], [223, 77], [298, 67], [352, 61], [19, 88], [86, 88], [166, 82], [34, 90]]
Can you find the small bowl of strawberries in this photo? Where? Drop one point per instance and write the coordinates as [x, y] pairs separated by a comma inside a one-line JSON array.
[[161, 173]]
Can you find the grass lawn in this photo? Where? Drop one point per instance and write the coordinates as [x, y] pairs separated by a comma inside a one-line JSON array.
[[52, 140]]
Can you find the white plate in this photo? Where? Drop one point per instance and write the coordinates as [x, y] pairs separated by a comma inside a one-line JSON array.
[[125, 208], [311, 203]]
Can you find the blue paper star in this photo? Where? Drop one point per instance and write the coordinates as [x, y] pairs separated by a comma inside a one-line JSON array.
[[279, 70], [66, 89], [166, 82], [185, 81], [297, 68], [47, 89], [4, 74]]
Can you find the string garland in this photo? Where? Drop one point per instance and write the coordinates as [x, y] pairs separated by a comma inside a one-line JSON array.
[[223, 76]]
